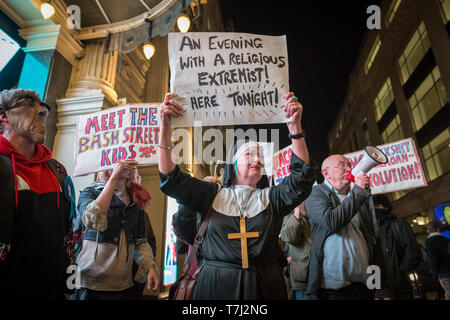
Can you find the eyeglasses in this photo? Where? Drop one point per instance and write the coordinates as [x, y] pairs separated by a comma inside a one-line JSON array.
[[342, 165], [31, 102]]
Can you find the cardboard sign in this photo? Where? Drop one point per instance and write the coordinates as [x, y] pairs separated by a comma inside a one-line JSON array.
[[219, 170], [403, 170], [228, 78], [281, 162], [126, 132]]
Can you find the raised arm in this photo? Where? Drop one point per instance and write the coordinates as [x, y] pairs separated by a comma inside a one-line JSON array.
[[297, 186], [294, 109], [168, 109], [333, 219]]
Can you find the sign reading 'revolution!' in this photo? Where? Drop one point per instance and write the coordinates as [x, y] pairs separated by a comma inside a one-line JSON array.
[[403, 170]]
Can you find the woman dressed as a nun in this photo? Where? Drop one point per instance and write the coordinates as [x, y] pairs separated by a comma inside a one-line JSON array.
[[240, 250]]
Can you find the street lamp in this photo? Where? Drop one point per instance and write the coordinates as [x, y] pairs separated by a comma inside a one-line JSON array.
[[149, 50], [183, 23], [148, 47], [47, 10]]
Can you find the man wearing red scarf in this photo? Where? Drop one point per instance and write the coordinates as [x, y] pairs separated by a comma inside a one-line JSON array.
[[35, 222]]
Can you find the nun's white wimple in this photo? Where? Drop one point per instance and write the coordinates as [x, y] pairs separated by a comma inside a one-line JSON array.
[[244, 147]]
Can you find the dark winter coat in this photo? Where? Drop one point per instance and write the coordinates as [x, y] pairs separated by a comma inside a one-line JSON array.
[[401, 252], [438, 247]]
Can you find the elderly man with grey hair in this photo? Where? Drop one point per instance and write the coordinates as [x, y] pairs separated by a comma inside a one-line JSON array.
[[344, 242], [35, 219]]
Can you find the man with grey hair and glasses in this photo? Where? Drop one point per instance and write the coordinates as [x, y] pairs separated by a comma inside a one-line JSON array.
[[36, 243], [344, 241]]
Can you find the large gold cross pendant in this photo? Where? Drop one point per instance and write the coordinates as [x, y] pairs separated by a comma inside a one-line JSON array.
[[243, 236]]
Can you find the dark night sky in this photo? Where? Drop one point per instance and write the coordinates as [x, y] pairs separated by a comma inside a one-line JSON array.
[[323, 39]]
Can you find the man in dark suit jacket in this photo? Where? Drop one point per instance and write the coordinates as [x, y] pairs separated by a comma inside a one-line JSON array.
[[344, 245]]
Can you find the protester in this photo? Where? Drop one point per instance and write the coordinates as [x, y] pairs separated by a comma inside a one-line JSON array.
[[240, 204], [297, 233], [438, 250], [138, 287], [115, 235], [185, 224], [401, 251], [36, 246], [343, 236], [185, 228]]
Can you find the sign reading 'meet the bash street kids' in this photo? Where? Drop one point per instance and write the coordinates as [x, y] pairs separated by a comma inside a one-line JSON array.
[[126, 132], [403, 171], [228, 78]]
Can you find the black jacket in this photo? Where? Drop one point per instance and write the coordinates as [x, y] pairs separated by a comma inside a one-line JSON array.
[[401, 252], [438, 251]]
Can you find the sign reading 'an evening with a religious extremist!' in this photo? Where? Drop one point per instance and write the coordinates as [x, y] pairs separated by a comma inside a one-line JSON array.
[[228, 78], [107, 137]]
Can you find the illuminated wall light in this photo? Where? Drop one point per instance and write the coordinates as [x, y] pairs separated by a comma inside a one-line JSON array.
[[148, 47], [183, 23], [47, 10], [149, 50]]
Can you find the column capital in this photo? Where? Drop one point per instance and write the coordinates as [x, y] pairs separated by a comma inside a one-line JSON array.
[[40, 38], [69, 109], [96, 69]]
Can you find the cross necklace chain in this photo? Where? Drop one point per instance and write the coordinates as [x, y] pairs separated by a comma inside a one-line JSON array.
[[241, 210], [243, 235]]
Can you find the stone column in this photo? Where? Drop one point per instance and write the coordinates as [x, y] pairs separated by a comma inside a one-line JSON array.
[[95, 70], [41, 44], [90, 90]]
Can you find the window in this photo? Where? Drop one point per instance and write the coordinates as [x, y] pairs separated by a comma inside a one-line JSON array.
[[372, 55], [384, 99], [8, 48], [399, 194], [355, 141], [437, 155], [428, 99], [393, 10], [393, 131], [366, 132], [446, 9], [415, 50]]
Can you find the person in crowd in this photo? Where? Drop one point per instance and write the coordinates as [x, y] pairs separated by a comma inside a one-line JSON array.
[[240, 250], [343, 236], [401, 251], [186, 223], [296, 232], [36, 245], [138, 287], [185, 228], [114, 234], [438, 250]]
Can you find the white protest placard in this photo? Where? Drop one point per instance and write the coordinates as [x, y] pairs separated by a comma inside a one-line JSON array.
[[403, 170], [107, 137], [281, 162], [228, 78]]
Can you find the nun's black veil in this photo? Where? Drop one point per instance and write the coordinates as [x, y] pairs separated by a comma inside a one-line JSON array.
[[229, 175]]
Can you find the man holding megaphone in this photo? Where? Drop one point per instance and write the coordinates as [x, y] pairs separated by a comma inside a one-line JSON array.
[[343, 234]]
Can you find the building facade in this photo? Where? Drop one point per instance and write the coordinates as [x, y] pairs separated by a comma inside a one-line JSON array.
[[400, 88], [82, 71]]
